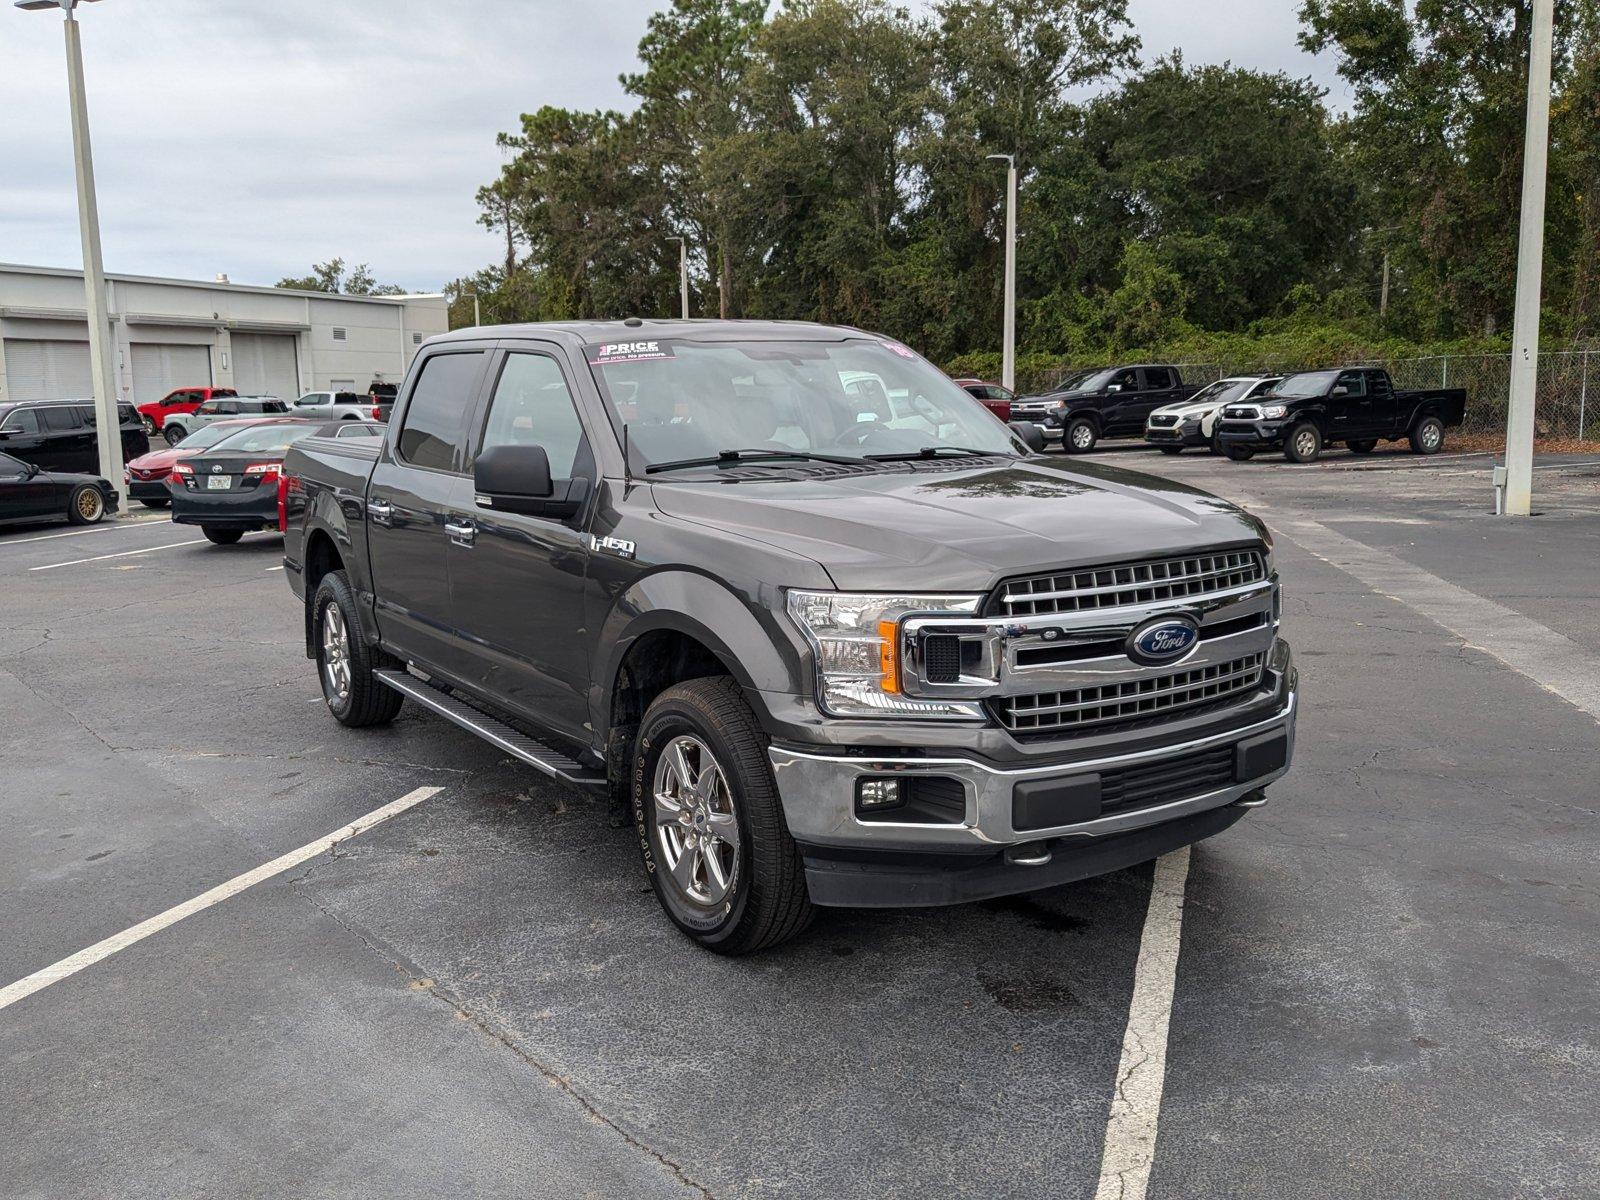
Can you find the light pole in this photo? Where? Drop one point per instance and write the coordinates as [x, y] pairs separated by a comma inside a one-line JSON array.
[[1008, 347], [1530, 261], [683, 273], [108, 420]]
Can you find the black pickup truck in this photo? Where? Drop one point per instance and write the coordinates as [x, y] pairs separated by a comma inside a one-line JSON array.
[[822, 627], [1107, 402], [1357, 406]]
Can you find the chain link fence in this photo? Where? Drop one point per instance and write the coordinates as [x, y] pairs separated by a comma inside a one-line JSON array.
[[1567, 398]]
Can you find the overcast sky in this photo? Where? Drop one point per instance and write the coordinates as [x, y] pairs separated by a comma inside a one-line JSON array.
[[256, 138]]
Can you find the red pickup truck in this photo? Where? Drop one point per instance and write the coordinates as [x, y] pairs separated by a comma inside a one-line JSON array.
[[991, 395], [180, 400]]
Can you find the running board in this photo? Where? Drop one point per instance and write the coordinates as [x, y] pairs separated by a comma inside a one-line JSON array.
[[496, 732]]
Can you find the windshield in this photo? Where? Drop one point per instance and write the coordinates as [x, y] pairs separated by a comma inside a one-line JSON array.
[[264, 439], [856, 399], [1307, 383]]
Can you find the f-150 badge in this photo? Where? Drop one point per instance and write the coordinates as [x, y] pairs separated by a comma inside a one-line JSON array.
[[621, 547]]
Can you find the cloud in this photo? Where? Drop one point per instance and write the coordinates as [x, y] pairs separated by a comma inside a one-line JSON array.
[[257, 138]]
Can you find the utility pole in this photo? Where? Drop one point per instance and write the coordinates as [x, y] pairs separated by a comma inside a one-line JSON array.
[[1383, 296], [1530, 263], [108, 421], [1008, 347], [683, 273], [477, 312]]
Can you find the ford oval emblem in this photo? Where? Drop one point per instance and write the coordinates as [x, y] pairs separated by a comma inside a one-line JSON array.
[[1163, 640]]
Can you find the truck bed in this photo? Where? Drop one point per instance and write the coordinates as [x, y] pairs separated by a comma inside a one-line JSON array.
[[331, 475]]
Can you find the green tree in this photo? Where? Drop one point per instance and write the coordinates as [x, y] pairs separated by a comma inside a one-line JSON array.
[[331, 277]]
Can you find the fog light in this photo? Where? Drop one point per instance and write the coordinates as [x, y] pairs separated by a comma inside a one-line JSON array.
[[874, 795]]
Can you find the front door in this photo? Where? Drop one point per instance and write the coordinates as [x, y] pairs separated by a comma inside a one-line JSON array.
[[409, 504], [517, 581], [23, 436], [25, 492]]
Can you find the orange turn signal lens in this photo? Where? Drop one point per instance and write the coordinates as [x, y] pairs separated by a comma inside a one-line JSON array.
[[889, 656]]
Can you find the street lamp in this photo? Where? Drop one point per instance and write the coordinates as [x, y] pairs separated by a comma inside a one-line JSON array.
[[1530, 261], [109, 424], [683, 273], [1008, 350]]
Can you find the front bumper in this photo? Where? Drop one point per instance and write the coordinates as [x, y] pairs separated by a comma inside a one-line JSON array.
[[1186, 434], [149, 489], [1258, 434], [999, 839]]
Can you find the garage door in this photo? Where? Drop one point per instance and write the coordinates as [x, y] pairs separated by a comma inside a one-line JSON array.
[[159, 368], [264, 365], [48, 370]]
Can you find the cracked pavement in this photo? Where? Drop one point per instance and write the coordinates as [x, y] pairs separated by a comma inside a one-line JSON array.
[[1384, 986]]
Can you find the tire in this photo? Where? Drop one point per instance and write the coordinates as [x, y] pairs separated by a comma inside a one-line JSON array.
[[221, 537], [173, 434], [1304, 443], [86, 506], [149, 425], [748, 891], [1170, 449], [160, 503], [1364, 446], [1239, 453], [1427, 436], [1079, 436], [346, 660]]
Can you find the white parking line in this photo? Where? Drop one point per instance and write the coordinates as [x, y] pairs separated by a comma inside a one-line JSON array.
[[1552, 660], [50, 537], [1130, 1146], [67, 967], [76, 562]]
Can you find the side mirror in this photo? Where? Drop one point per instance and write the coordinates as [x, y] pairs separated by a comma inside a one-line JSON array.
[[1029, 433], [1341, 390], [1113, 387], [517, 479]]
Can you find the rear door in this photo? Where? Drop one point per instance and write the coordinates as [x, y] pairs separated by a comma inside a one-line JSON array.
[[409, 503], [68, 440], [517, 581], [1381, 413]]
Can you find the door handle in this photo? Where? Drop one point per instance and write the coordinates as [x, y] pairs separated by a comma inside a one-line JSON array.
[[461, 532], [381, 512]]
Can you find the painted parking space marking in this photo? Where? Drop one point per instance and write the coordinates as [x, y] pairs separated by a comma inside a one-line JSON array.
[[1552, 660], [90, 955], [1130, 1145], [109, 528], [78, 562]]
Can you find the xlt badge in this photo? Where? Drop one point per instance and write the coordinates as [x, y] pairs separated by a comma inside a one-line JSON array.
[[621, 547]]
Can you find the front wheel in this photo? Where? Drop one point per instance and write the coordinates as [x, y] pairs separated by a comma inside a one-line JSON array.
[[221, 537], [1428, 436], [1303, 444], [86, 506], [1080, 436], [346, 660], [173, 434], [149, 425], [710, 823]]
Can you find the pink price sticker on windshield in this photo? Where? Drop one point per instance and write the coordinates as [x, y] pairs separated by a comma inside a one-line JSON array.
[[902, 351], [613, 352]]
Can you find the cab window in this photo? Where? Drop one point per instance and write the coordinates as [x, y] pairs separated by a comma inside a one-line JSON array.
[[1354, 383], [59, 419], [435, 420], [21, 420], [1157, 379], [532, 407]]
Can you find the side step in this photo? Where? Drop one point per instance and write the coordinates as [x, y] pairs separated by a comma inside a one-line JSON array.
[[496, 732]]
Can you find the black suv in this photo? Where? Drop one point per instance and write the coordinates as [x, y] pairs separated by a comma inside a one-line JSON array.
[[1112, 402], [59, 435]]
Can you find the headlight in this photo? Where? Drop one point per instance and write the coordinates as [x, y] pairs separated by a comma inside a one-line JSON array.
[[1271, 412], [856, 638]]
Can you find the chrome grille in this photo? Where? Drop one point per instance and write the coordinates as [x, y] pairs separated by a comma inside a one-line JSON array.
[[1136, 699], [1188, 578]]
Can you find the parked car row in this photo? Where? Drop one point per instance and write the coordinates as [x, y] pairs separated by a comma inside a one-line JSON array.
[[1299, 414]]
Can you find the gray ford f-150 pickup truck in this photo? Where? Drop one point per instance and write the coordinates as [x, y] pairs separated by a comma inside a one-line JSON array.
[[828, 643]]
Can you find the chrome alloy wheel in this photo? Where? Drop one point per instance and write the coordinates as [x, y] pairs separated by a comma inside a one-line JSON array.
[[1082, 436], [1305, 443], [1430, 435], [336, 652], [695, 827]]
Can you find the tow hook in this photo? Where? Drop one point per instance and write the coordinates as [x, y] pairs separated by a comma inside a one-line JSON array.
[[1253, 799], [1028, 854]]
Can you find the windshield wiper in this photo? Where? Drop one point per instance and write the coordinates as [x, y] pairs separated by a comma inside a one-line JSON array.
[[934, 452], [729, 457]]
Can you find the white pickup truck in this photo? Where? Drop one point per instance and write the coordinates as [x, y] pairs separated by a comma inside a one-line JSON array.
[[334, 406]]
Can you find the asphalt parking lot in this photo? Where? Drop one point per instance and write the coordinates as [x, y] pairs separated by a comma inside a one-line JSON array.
[[1384, 987]]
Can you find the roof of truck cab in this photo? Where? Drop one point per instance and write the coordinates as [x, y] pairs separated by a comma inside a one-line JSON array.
[[697, 329]]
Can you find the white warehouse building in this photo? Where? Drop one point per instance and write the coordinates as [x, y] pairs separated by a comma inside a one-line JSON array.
[[173, 333]]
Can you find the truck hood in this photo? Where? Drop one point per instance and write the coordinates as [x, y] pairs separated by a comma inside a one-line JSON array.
[[964, 529]]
